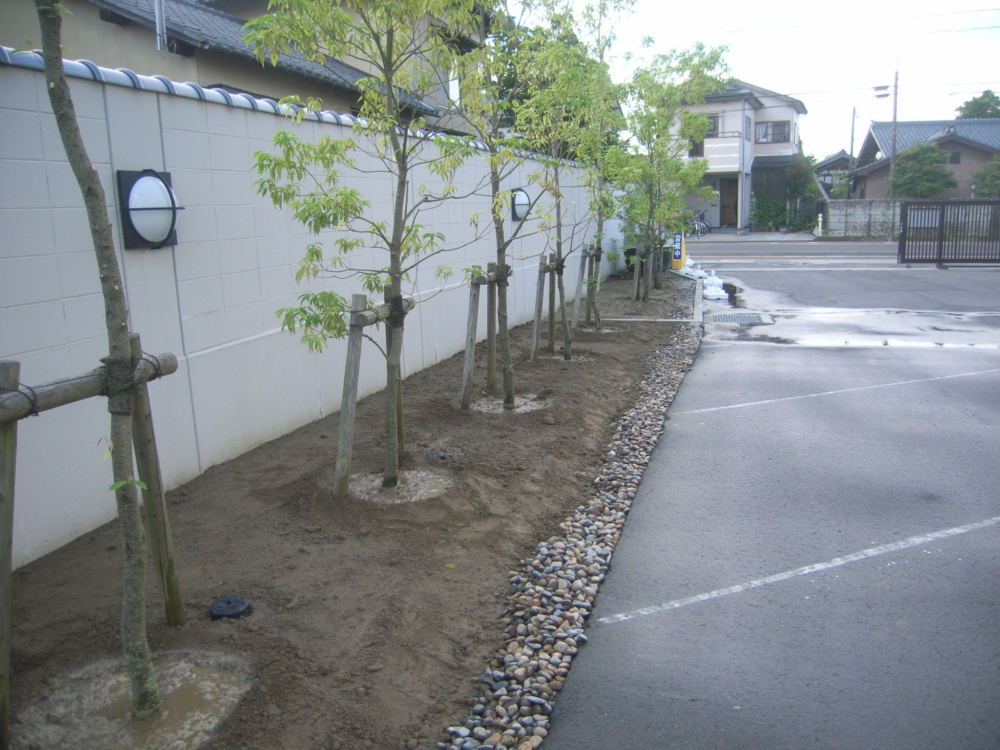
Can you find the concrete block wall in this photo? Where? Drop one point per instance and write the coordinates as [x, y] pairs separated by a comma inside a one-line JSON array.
[[211, 299], [876, 218]]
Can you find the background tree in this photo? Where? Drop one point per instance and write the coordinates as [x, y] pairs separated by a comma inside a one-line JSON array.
[[800, 185], [602, 133], [986, 105], [118, 367], [559, 107], [987, 179], [491, 84], [920, 174], [409, 47], [653, 171]]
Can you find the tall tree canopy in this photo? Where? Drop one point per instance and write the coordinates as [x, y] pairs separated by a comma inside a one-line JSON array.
[[986, 105], [987, 180], [920, 174]]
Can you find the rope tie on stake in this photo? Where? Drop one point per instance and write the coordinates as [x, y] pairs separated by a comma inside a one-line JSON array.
[[155, 362], [31, 396], [117, 383]]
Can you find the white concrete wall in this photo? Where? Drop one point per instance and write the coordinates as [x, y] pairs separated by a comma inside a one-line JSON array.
[[211, 299]]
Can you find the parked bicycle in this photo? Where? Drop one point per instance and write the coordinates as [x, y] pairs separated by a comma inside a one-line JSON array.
[[700, 227]]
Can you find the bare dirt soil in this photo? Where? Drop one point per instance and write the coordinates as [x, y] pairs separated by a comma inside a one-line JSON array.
[[369, 619]]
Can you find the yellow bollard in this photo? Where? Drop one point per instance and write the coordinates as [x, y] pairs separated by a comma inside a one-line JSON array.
[[680, 252]]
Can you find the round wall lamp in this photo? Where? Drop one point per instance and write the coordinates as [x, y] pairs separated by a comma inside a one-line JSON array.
[[520, 204], [148, 209]]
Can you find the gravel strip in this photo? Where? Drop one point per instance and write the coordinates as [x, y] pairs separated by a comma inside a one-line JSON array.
[[552, 594]]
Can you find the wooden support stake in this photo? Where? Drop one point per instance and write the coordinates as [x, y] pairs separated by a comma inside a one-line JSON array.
[[539, 298], [636, 273], [551, 346], [349, 399], [9, 378], [14, 406], [591, 289], [153, 498], [491, 330], [579, 287], [470, 347]]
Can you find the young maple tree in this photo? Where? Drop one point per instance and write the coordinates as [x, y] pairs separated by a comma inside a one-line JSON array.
[[118, 367], [491, 84], [652, 170], [408, 48]]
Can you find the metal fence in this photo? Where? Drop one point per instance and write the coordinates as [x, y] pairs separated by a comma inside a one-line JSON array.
[[966, 231]]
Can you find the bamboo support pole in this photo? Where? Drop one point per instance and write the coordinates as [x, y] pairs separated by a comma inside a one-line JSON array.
[[18, 404], [153, 497], [349, 399], [9, 378], [470, 347], [491, 330]]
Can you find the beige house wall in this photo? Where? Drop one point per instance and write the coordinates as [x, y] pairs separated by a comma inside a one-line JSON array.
[[875, 184], [86, 36]]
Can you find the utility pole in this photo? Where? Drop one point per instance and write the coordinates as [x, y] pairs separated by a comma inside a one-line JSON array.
[[881, 92], [892, 157]]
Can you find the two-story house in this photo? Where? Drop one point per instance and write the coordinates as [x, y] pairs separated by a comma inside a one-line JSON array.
[[969, 144], [205, 45], [752, 139]]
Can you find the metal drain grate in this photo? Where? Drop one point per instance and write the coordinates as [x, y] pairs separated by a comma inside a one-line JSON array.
[[738, 318]]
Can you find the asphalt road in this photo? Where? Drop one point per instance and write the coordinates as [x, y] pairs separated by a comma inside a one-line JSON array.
[[813, 558]]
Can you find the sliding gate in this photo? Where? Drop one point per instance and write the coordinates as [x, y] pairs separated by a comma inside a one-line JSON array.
[[964, 231]]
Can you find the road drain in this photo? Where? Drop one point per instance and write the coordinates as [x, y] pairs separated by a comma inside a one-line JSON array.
[[742, 318]]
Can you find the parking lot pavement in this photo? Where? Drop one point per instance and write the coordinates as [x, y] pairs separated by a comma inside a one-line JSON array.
[[812, 558]]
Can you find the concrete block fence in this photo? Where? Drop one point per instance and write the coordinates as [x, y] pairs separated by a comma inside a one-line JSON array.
[[210, 299]]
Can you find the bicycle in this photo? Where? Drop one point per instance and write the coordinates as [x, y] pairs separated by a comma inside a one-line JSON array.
[[700, 227]]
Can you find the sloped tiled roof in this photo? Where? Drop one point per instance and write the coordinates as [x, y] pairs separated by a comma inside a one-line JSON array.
[[912, 133], [206, 28], [834, 161]]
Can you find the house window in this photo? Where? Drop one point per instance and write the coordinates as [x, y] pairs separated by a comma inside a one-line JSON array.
[[773, 132], [954, 157], [747, 127], [713, 126]]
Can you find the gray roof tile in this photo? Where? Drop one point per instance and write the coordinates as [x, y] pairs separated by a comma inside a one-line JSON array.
[[912, 133], [207, 28]]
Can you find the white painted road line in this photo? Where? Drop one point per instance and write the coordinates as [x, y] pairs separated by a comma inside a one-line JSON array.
[[865, 554], [834, 393]]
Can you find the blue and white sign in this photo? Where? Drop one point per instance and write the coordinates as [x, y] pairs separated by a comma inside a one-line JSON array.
[[678, 239]]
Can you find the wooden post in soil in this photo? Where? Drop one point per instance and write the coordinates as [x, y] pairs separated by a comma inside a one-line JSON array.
[[636, 272], [9, 378], [491, 328], [470, 345], [539, 298], [591, 289], [551, 346], [349, 399], [154, 501], [579, 287]]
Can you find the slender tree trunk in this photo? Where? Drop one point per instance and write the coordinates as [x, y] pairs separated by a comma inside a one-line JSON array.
[[560, 267], [503, 330], [393, 389], [138, 661]]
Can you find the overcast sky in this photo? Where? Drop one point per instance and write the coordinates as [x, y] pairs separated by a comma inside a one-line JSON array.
[[831, 54]]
